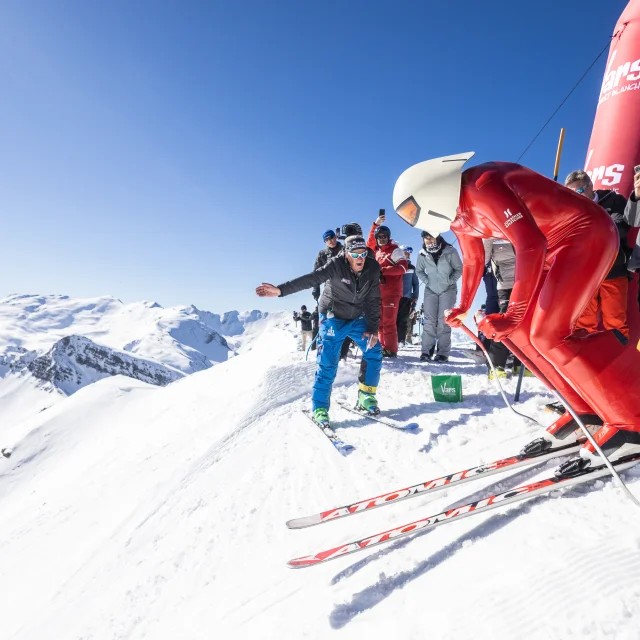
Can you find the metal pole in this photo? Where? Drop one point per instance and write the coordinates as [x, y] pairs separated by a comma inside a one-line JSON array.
[[556, 168], [516, 397]]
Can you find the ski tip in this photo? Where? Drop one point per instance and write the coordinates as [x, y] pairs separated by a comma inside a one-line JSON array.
[[303, 523], [346, 449]]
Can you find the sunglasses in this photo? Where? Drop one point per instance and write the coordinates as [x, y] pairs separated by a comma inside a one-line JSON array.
[[329, 238], [582, 189], [382, 235], [355, 256]]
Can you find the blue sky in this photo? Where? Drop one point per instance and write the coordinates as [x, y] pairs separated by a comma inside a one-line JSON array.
[[185, 152]]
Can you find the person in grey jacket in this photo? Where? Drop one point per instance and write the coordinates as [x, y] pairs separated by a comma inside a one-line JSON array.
[[501, 255], [439, 268]]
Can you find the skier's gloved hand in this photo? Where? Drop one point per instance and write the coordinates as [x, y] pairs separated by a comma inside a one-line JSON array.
[[498, 326], [371, 338], [455, 317], [316, 295]]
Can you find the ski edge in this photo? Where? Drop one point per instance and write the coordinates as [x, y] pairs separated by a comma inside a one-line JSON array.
[[340, 445], [492, 502], [389, 422]]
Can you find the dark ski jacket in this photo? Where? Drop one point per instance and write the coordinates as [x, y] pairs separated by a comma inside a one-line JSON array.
[[324, 256], [632, 217], [614, 204], [345, 295], [305, 321]]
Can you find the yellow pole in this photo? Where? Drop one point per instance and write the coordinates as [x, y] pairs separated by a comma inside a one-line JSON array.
[[558, 154]]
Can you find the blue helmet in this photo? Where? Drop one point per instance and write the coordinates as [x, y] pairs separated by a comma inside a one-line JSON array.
[[329, 233], [407, 248]]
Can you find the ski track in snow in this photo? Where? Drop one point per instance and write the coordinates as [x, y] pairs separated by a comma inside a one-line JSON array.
[[136, 512]]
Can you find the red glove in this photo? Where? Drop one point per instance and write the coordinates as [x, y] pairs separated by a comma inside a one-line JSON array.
[[498, 326]]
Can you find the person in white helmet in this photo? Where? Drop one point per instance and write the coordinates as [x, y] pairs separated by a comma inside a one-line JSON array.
[[565, 245]]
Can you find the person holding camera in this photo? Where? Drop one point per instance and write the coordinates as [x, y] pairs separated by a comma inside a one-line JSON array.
[[306, 325], [349, 308], [393, 266]]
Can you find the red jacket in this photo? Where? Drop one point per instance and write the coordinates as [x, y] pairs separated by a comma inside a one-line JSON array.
[[393, 265]]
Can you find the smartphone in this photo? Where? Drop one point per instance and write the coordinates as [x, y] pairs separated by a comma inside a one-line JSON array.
[[381, 213], [636, 169]]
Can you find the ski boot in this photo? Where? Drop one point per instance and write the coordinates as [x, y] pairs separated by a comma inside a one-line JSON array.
[[499, 373], [564, 430], [389, 354], [425, 357], [367, 403], [321, 417], [440, 358], [555, 407], [615, 444], [527, 373]]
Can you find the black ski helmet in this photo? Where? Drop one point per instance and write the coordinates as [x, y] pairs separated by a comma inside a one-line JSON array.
[[382, 229]]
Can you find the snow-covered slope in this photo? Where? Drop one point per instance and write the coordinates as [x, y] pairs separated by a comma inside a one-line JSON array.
[[135, 511]]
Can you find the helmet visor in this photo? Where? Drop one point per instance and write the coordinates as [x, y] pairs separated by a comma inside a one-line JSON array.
[[409, 211]]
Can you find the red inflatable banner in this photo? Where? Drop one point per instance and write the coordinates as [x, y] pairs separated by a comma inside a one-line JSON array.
[[614, 148]]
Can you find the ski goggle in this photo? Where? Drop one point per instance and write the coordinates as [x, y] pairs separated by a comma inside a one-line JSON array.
[[582, 189], [362, 254]]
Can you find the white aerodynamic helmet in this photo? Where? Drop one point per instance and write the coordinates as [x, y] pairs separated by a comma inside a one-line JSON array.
[[427, 194]]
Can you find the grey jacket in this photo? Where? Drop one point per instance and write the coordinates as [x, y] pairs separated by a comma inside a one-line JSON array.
[[443, 275], [632, 218], [503, 261], [345, 294]]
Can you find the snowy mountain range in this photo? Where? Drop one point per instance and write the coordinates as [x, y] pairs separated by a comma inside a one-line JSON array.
[[70, 342]]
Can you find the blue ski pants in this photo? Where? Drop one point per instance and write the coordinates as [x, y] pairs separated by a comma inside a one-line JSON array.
[[331, 335]]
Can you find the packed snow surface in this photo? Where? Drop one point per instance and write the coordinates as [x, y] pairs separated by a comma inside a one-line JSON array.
[[136, 511]]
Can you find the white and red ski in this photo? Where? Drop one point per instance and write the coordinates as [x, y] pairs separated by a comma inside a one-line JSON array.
[[479, 506], [431, 486]]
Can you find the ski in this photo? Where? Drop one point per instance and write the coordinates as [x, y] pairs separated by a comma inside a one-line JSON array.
[[431, 486], [389, 422], [344, 448], [480, 506]]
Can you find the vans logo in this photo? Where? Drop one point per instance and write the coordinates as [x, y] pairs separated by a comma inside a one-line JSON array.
[[619, 79], [346, 280], [609, 176]]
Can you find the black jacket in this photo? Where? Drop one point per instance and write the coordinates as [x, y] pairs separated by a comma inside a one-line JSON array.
[[345, 294], [324, 255], [305, 321], [614, 204], [632, 217]]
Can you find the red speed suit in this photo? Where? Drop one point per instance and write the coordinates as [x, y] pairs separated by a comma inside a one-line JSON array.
[[565, 246], [390, 288]]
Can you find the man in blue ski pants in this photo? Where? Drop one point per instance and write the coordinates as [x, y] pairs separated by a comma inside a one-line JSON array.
[[349, 307]]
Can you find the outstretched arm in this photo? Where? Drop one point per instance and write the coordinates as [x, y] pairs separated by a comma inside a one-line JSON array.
[[472, 272], [298, 284]]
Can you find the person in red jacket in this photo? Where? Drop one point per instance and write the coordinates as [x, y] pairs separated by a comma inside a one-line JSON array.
[[565, 245], [393, 265]]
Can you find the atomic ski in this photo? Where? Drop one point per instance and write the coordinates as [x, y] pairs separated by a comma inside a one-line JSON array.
[[344, 448], [389, 422], [430, 486], [480, 506]]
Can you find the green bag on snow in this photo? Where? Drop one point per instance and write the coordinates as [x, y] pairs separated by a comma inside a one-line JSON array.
[[447, 388]]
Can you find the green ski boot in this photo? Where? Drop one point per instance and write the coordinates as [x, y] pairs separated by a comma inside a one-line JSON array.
[[321, 417], [368, 403]]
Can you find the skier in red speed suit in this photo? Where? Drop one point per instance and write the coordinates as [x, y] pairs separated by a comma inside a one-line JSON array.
[[565, 246], [393, 266]]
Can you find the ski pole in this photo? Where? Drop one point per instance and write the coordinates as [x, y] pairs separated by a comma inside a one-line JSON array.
[[495, 375], [306, 357]]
